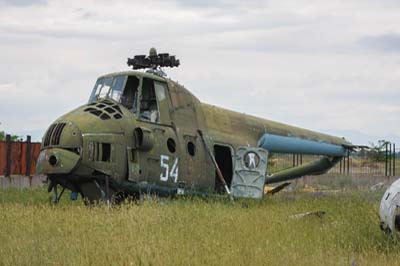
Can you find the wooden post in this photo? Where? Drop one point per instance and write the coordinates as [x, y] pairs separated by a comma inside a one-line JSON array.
[[8, 155], [28, 156], [348, 162]]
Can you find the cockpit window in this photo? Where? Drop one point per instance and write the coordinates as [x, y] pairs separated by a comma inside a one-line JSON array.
[[117, 87], [130, 95], [101, 88], [96, 89], [105, 88], [120, 88], [148, 102]]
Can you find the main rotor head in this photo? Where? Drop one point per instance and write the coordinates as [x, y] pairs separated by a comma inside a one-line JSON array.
[[153, 60]]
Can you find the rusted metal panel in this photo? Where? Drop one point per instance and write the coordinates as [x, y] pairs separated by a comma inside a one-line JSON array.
[[16, 158], [35, 150], [21, 157]]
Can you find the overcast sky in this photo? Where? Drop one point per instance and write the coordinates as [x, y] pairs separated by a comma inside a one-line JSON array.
[[329, 66]]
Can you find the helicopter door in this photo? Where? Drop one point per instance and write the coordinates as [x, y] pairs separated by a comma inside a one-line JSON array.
[[223, 157], [160, 163]]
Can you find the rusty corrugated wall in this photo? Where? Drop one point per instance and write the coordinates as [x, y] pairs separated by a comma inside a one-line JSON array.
[[19, 157]]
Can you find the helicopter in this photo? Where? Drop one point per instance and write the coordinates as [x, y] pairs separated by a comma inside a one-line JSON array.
[[143, 133]]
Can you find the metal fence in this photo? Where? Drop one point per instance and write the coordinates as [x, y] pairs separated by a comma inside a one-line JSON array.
[[18, 158], [362, 162]]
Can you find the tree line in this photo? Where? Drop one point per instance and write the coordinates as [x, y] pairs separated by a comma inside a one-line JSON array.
[[13, 137]]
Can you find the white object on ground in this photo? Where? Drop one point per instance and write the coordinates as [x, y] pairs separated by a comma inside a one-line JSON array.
[[389, 211]]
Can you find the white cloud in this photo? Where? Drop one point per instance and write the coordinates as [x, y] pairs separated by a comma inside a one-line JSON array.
[[319, 65]]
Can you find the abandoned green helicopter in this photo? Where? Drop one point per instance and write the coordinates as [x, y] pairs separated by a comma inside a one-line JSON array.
[[142, 133]]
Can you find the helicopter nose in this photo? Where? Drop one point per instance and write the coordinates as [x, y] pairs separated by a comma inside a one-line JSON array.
[[61, 151]]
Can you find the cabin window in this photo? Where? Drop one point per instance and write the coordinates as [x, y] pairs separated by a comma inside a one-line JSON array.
[[191, 148], [171, 145], [148, 102], [105, 152], [160, 89], [98, 151]]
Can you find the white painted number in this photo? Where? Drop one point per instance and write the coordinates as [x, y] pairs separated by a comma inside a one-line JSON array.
[[174, 170], [165, 174], [165, 166]]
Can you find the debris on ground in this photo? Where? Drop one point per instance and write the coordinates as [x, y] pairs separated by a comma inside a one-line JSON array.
[[377, 186], [319, 214], [272, 190]]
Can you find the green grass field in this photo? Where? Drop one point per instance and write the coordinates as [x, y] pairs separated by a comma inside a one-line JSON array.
[[195, 231]]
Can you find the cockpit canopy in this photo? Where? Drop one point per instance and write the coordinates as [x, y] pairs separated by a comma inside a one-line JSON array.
[[120, 88], [126, 90]]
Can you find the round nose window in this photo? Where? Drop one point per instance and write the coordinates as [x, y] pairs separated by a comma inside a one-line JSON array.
[[171, 145], [191, 148], [251, 160]]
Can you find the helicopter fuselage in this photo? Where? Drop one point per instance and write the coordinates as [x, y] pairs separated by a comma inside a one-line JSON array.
[[141, 129]]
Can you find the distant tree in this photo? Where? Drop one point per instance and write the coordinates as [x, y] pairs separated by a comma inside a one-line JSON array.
[[377, 153], [13, 137]]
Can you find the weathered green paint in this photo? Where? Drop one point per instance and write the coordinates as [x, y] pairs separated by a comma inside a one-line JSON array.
[[313, 168], [65, 163], [181, 116]]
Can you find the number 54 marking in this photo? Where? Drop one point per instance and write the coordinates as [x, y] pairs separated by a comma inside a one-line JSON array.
[[165, 174]]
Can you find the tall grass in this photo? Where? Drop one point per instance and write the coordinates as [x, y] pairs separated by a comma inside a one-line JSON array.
[[195, 231]]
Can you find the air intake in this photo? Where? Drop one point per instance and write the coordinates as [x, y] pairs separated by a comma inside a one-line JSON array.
[[53, 135]]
